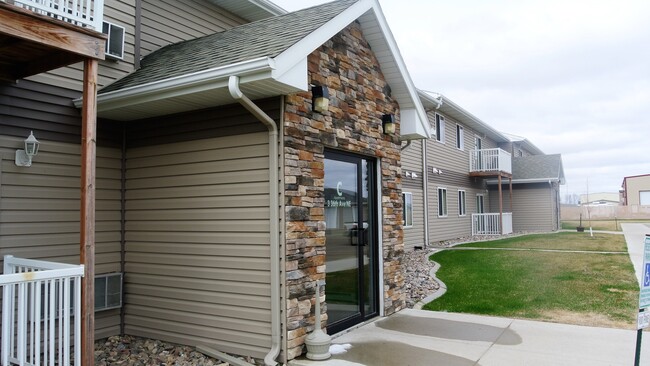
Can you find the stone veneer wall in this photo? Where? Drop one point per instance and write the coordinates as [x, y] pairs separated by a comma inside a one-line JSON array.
[[359, 96]]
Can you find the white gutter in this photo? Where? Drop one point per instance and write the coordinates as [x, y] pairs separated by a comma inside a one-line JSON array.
[[178, 85], [425, 192], [530, 180], [274, 191]]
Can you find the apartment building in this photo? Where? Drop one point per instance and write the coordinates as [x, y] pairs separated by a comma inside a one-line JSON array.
[[242, 155]]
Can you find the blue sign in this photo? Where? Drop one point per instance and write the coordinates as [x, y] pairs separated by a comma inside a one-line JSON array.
[[646, 275], [644, 294]]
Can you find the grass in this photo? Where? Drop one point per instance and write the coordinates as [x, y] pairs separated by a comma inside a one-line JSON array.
[[559, 241], [607, 225], [579, 288]]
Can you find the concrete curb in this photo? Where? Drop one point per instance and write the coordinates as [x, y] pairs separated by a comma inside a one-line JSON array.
[[432, 273]]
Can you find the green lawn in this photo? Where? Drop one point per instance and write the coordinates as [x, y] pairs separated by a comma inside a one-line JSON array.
[[562, 240], [578, 288], [607, 225]]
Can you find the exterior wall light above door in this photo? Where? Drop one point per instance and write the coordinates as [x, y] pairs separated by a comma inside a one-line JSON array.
[[320, 98], [388, 124], [24, 157]]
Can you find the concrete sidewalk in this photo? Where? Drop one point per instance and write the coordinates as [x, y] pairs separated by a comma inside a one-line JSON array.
[[635, 239], [422, 338]]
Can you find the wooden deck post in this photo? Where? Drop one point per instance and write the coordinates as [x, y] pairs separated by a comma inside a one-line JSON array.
[[87, 245], [500, 206], [510, 183]]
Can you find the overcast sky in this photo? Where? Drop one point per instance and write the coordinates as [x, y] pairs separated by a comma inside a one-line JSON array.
[[572, 76]]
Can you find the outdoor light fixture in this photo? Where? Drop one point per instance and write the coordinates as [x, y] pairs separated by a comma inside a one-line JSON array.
[[388, 123], [24, 157], [319, 98]]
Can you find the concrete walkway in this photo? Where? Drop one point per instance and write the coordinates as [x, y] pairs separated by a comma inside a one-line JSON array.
[[423, 338], [635, 239]]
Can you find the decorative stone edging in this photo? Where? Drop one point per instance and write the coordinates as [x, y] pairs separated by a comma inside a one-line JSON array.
[[441, 290]]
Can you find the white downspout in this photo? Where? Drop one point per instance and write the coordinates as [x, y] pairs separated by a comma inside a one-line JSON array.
[[274, 191], [425, 192]]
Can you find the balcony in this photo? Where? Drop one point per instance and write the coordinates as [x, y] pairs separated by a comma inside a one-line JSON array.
[[82, 13], [490, 224], [42, 35], [490, 162], [41, 313]]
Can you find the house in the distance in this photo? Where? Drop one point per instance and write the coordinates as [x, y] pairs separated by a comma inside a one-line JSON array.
[[636, 190], [600, 199]]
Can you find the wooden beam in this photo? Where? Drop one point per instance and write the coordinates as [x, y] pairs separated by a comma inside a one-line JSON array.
[[500, 206], [88, 168], [38, 65], [510, 183], [26, 25]]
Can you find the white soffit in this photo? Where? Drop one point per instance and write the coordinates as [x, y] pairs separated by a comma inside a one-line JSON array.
[[250, 10]]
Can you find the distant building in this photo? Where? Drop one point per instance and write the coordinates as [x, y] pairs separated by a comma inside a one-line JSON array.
[[600, 199], [636, 190]]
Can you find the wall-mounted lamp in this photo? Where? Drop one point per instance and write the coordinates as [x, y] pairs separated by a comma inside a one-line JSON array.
[[388, 123], [320, 98], [24, 157]]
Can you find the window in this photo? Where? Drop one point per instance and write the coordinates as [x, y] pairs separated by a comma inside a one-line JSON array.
[[480, 208], [644, 198], [407, 209], [442, 202], [461, 203], [460, 137], [115, 41], [440, 128]]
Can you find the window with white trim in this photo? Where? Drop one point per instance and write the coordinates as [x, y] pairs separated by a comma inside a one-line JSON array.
[[460, 137], [407, 209], [440, 128], [442, 202], [461, 203], [480, 203], [644, 198]]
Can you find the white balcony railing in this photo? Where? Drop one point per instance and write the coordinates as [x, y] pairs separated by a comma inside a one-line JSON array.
[[488, 224], [40, 302], [490, 160], [83, 13]]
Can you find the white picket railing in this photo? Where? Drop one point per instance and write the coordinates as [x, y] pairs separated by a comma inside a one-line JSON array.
[[488, 224], [490, 160], [40, 301], [83, 13]]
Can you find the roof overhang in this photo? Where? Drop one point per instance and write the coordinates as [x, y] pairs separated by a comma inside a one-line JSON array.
[[266, 77], [452, 110], [531, 180], [251, 10]]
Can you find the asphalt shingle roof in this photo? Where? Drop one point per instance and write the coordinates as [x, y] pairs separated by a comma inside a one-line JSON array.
[[264, 38], [540, 167]]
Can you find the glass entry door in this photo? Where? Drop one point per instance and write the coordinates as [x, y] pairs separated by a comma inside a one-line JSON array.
[[351, 240]]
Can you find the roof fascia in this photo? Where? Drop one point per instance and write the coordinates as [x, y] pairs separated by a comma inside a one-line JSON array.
[[470, 117], [268, 6], [256, 69], [530, 180]]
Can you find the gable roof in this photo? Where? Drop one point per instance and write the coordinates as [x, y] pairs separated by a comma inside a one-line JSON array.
[[538, 168], [525, 143], [439, 102], [270, 58]]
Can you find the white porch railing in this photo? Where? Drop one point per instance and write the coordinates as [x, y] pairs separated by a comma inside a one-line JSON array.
[[490, 160], [83, 13], [488, 224], [38, 298]]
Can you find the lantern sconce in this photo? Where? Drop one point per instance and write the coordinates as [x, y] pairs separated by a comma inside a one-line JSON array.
[[388, 124], [24, 157], [320, 98]]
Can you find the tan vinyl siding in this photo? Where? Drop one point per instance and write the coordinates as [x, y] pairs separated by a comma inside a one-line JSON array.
[[454, 164], [533, 206], [414, 236], [167, 21], [452, 226], [39, 209], [197, 251]]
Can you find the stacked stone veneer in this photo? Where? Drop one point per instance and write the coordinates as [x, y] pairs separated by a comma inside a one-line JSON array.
[[359, 96]]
